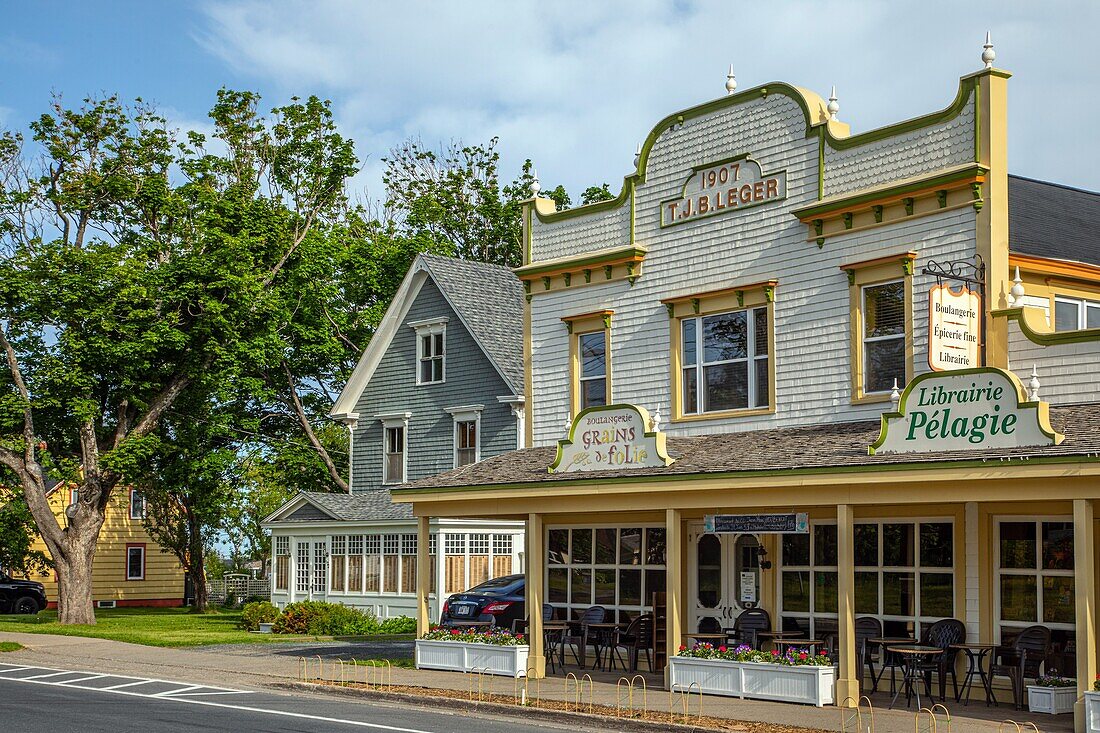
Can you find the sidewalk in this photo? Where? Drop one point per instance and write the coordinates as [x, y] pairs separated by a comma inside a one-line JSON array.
[[260, 666]]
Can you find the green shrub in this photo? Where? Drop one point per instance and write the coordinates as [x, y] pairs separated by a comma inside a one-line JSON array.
[[256, 613], [340, 620], [297, 617], [398, 625]]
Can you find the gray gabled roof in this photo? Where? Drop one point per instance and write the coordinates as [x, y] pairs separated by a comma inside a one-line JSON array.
[[361, 506], [489, 300], [1054, 221]]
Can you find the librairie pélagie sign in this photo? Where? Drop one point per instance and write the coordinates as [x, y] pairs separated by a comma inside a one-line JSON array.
[[722, 187], [609, 438], [798, 523], [954, 325], [966, 409]]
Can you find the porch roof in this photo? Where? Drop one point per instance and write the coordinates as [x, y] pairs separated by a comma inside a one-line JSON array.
[[841, 446]]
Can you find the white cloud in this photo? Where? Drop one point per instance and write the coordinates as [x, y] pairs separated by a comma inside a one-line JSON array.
[[575, 86]]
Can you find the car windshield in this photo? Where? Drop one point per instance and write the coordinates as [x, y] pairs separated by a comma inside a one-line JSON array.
[[496, 585]]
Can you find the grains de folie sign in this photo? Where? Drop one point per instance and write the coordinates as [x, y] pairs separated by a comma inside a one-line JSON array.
[[610, 438], [965, 409]]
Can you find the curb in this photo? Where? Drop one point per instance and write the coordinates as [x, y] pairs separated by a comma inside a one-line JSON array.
[[589, 720]]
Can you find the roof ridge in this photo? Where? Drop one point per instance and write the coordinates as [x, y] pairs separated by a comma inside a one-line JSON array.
[[1052, 184]]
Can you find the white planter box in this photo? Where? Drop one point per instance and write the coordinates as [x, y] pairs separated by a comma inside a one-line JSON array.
[[459, 656], [265, 628], [1052, 700], [1092, 711], [812, 685]]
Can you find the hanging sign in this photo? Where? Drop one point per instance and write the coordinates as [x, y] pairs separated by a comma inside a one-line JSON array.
[[748, 587], [954, 325], [722, 187], [609, 438], [966, 409], [756, 523]]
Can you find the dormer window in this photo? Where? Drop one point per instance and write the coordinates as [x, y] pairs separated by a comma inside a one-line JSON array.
[[431, 350]]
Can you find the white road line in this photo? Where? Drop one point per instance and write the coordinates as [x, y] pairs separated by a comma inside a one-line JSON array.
[[84, 679], [226, 706], [17, 669], [51, 674], [212, 692], [128, 684], [166, 693]]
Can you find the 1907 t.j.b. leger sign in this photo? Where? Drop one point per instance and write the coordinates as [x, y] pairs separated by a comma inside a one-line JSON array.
[[722, 187]]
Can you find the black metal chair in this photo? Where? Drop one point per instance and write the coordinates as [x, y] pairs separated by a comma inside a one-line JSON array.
[[867, 627], [943, 634], [637, 637], [747, 625], [576, 635], [1021, 659]]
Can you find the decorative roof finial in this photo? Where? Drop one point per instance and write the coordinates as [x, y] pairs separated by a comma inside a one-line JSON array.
[[731, 81], [833, 106], [638, 155], [1016, 294], [655, 420], [895, 395], [1033, 385], [988, 54], [535, 185]]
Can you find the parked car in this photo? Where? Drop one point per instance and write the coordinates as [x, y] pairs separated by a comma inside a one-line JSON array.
[[499, 600], [21, 596]]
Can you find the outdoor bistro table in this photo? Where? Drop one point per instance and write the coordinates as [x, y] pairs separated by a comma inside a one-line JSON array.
[[912, 674], [888, 660], [774, 636], [975, 656], [603, 635]]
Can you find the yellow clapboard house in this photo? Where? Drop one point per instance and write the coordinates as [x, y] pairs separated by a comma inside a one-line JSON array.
[[130, 568]]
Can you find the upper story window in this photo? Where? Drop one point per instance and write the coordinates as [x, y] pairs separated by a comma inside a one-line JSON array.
[[431, 350], [725, 361], [1071, 314], [590, 359], [883, 336], [881, 307], [137, 504], [467, 434], [395, 429]]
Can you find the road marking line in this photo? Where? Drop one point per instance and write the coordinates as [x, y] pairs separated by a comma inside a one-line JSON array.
[[84, 679], [128, 684], [217, 692], [166, 693], [17, 669], [51, 674]]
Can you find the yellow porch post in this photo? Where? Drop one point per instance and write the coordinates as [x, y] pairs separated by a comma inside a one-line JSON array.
[[536, 580], [674, 584], [423, 575], [847, 683], [1084, 592]]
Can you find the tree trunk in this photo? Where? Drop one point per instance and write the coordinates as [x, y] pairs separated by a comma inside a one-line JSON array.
[[74, 582], [196, 557]]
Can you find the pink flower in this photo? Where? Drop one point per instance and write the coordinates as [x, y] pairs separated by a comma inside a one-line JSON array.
[[775, 653], [722, 648]]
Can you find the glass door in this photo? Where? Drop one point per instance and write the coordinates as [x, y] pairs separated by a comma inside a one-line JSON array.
[[723, 579]]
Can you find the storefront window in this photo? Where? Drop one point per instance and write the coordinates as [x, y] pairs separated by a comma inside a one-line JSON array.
[[617, 568], [725, 361], [883, 336], [1035, 569]]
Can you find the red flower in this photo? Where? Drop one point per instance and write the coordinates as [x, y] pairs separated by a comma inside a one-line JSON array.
[[802, 655], [775, 653], [519, 636], [722, 648], [682, 648]]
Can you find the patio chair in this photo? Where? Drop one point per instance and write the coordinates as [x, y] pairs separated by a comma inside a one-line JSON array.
[[867, 627], [943, 634], [637, 637], [747, 625], [576, 635], [1021, 659]]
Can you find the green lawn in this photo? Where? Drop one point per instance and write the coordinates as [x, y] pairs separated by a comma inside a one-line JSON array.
[[150, 626], [10, 646]]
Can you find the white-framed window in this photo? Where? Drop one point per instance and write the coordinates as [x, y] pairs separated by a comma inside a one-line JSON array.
[[372, 550], [592, 380], [301, 574], [467, 434], [137, 504], [355, 563], [904, 575], [431, 350], [282, 562], [619, 568], [320, 565], [725, 361], [74, 496], [1072, 314], [408, 563], [338, 561], [469, 560], [395, 443], [883, 336], [391, 562], [135, 562], [1034, 584]]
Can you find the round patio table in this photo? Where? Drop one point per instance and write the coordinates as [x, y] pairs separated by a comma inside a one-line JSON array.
[[912, 674], [773, 636], [975, 656], [602, 637], [810, 645], [554, 634], [889, 661], [716, 639]]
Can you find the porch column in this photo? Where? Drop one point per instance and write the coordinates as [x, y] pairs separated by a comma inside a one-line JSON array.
[[848, 677], [1084, 592], [535, 574], [423, 576], [674, 584]]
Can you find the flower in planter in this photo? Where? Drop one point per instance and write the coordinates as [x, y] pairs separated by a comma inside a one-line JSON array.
[[1096, 684], [1053, 679], [745, 653], [496, 638]]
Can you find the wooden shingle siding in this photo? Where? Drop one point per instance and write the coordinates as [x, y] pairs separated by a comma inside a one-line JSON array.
[[1067, 372], [811, 349], [470, 379]]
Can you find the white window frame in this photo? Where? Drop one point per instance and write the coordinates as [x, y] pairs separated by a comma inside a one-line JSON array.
[[751, 358], [1083, 307], [864, 339], [133, 493], [463, 414], [430, 327], [602, 377], [1038, 572], [302, 564], [391, 421], [281, 549], [141, 549]]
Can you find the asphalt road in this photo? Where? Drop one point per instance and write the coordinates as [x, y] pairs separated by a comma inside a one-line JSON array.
[[35, 698]]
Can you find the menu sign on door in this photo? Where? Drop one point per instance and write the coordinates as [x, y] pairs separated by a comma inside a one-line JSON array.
[[954, 326]]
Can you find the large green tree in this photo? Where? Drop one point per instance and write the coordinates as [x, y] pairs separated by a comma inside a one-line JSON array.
[[133, 266]]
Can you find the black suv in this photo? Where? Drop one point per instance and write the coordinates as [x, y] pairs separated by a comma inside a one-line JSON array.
[[499, 600], [21, 596]]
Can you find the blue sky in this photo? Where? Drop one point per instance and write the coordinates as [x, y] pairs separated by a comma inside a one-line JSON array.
[[574, 86]]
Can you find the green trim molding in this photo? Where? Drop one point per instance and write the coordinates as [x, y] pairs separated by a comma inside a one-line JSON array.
[[579, 263], [1034, 327]]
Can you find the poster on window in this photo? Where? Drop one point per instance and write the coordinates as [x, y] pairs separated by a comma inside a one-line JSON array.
[[954, 328]]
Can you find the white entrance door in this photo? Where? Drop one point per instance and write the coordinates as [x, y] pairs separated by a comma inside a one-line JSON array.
[[723, 578]]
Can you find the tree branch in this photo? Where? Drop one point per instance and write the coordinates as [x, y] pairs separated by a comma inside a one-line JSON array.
[[159, 404], [24, 394], [299, 410]]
